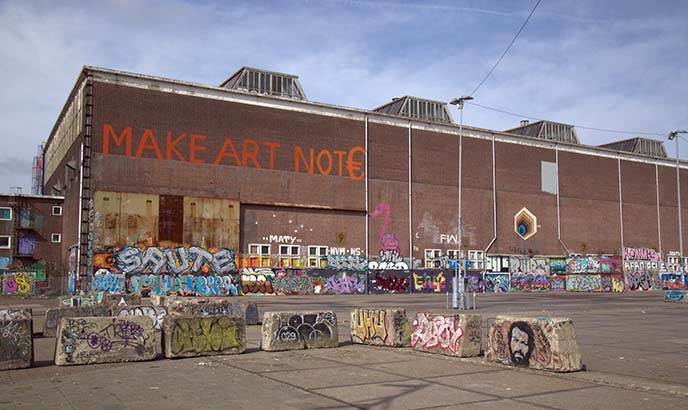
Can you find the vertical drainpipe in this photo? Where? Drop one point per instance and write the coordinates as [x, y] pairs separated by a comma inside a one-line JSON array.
[[659, 222], [367, 204], [494, 200], [618, 165], [566, 250], [81, 197], [410, 202]]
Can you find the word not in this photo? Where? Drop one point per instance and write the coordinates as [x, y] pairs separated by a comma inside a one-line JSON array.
[[325, 162]]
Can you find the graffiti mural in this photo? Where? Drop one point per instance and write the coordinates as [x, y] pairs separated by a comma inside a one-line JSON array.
[[106, 281], [431, 281], [529, 274], [583, 283], [16, 343], [392, 281], [390, 254], [26, 245], [18, 283], [458, 335], [210, 335], [179, 260], [181, 285], [296, 282], [557, 265], [641, 269], [308, 327], [156, 313], [257, 281], [531, 343], [529, 282], [343, 283], [497, 282], [672, 280], [557, 283], [576, 264], [346, 262], [611, 264], [612, 283], [474, 282], [636, 281], [104, 339]]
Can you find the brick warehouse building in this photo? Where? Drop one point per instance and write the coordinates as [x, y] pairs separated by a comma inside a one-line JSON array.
[[172, 186]]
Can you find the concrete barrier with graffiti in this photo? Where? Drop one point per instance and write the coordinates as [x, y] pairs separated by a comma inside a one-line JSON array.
[[538, 343], [448, 334], [191, 336], [380, 327], [299, 330]]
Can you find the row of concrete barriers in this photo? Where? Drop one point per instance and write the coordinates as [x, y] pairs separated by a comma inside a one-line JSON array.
[[197, 328]]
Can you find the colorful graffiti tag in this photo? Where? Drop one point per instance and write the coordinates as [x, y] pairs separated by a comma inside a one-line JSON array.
[[179, 260], [497, 282], [181, 285], [19, 283]]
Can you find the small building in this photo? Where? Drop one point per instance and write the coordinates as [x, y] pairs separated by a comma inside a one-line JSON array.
[[30, 244]]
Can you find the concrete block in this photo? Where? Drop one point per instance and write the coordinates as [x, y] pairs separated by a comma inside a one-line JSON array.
[[207, 335], [16, 343], [448, 334], [16, 314], [158, 300], [675, 296], [121, 300], [381, 327], [89, 340], [538, 343], [214, 306], [53, 316], [299, 330], [156, 313]]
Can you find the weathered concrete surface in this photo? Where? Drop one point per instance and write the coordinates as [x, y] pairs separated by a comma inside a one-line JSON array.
[[53, 316], [537, 343], [15, 314], [88, 340], [382, 327], [676, 296], [449, 334], [299, 330], [197, 306], [16, 343], [155, 313], [99, 298], [206, 335]]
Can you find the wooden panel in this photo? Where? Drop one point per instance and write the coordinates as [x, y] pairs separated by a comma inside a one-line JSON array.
[[210, 222], [123, 218], [171, 222]]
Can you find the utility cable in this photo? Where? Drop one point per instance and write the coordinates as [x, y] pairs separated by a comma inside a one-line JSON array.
[[577, 126], [507, 48]]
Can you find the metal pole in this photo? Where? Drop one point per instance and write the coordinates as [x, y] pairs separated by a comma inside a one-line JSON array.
[[458, 271], [678, 192]]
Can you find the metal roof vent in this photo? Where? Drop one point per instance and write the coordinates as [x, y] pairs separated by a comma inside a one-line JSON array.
[[265, 82], [418, 108], [547, 130], [639, 145]]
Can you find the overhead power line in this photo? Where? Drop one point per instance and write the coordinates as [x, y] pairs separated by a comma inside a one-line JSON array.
[[507, 48], [659, 134]]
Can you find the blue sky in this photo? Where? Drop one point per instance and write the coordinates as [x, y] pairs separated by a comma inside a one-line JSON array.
[[617, 65]]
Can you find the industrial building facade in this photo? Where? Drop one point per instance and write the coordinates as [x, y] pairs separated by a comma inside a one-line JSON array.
[[172, 185]]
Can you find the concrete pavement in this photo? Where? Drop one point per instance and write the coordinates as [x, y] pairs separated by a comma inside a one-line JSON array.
[[634, 347]]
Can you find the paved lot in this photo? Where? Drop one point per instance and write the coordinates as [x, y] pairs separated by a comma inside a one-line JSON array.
[[635, 348]]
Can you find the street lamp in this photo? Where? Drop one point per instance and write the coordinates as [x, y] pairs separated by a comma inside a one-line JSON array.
[[673, 135], [458, 270]]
